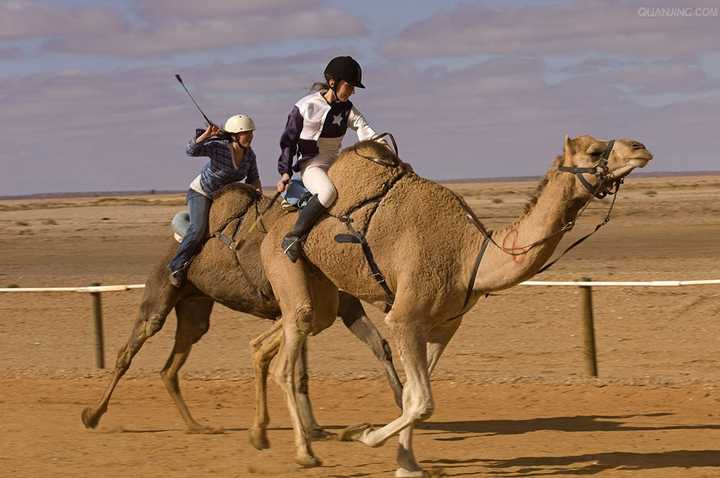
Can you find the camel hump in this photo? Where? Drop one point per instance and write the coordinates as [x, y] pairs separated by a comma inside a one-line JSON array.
[[231, 201], [364, 171]]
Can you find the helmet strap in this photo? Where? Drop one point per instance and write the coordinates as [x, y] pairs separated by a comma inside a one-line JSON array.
[[333, 87]]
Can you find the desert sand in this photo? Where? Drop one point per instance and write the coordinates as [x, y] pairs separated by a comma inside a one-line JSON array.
[[512, 396]]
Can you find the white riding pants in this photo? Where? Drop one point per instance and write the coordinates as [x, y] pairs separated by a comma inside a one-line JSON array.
[[314, 177]]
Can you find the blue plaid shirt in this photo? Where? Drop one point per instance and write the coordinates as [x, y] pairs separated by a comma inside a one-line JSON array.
[[220, 170]]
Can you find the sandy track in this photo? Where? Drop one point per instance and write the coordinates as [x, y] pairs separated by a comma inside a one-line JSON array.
[[511, 396]]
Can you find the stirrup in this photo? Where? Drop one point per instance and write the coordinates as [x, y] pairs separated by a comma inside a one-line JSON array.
[[291, 246], [177, 278]]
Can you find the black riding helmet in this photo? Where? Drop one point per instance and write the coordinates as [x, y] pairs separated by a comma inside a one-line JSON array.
[[344, 68]]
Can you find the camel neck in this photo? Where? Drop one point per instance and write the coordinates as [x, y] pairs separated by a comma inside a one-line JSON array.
[[556, 205]]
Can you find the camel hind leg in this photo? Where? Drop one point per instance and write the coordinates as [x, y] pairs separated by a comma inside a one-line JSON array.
[[193, 321], [302, 311], [158, 300], [265, 347], [353, 316]]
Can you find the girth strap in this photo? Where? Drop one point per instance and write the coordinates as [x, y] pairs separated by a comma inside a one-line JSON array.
[[230, 241], [476, 267], [356, 237]]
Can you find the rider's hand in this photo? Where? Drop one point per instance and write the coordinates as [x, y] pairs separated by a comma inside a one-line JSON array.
[[282, 184], [211, 130]]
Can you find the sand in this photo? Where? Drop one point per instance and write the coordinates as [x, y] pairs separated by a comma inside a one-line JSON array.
[[512, 395]]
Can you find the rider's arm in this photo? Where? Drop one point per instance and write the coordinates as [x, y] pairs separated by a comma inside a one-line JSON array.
[[358, 122], [289, 141]]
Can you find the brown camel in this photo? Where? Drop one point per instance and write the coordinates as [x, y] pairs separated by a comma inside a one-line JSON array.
[[236, 280], [426, 243]]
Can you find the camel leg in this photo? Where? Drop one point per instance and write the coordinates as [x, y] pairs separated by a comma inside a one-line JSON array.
[[266, 346], [159, 298], [437, 341], [353, 316], [418, 404], [294, 338], [193, 320], [316, 432], [296, 304], [439, 338]]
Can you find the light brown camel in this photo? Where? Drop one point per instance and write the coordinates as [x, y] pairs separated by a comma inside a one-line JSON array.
[[426, 244], [237, 281]]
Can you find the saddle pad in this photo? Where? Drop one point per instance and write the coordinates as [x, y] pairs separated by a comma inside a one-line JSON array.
[[180, 224], [296, 195]]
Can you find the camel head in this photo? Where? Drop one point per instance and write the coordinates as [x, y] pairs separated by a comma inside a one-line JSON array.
[[601, 165]]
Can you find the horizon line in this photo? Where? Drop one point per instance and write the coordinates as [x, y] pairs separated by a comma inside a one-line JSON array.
[[150, 192]]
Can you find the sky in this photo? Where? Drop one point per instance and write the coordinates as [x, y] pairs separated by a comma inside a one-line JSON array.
[[469, 89]]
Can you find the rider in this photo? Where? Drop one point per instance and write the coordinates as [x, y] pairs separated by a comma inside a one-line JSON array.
[[231, 160], [314, 131]]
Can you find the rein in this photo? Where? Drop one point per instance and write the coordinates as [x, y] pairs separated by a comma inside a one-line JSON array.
[[605, 185]]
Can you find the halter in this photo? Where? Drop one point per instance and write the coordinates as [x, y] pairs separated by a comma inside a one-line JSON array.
[[605, 184]]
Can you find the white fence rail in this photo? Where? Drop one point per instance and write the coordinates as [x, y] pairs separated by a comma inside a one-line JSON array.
[[586, 306], [656, 283]]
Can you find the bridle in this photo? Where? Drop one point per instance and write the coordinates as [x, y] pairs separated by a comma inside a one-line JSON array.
[[606, 184]]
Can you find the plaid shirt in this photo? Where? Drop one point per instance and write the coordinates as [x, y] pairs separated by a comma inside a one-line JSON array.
[[220, 170]]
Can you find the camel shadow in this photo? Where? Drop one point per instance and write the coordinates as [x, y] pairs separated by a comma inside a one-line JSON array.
[[593, 463], [592, 423]]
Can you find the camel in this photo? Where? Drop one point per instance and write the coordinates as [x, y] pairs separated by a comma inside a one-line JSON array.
[[235, 279], [428, 246]]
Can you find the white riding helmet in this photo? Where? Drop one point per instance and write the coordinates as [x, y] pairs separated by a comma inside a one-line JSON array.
[[239, 124]]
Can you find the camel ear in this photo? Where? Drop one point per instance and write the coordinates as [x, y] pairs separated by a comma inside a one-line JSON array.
[[568, 147]]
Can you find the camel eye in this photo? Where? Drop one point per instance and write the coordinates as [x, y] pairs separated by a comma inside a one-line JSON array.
[[595, 150]]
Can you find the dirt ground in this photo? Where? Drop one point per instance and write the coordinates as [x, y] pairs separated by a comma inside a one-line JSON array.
[[511, 393]]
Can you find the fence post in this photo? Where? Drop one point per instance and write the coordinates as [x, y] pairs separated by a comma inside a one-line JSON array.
[[588, 330], [99, 342]]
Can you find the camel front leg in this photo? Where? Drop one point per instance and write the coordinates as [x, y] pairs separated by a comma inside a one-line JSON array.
[[438, 339], [353, 316], [158, 300], [417, 394], [193, 321], [437, 342]]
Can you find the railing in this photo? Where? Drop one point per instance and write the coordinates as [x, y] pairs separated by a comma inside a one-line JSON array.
[[585, 284]]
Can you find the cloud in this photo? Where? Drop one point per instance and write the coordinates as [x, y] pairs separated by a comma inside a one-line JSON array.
[[126, 129], [167, 28], [160, 9], [607, 26], [11, 53], [23, 20]]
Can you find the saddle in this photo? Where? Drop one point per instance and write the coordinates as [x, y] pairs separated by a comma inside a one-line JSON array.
[[295, 196], [229, 206]]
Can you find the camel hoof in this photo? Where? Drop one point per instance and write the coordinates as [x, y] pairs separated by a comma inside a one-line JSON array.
[[90, 418], [259, 439], [205, 430], [353, 432], [308, 461], [403, 473], [318, 434]]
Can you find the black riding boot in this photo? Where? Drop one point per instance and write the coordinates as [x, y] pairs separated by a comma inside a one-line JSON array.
[[307, 217]]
